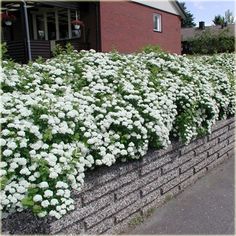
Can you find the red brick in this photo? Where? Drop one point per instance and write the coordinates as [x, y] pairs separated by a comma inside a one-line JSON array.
[[128, 27]]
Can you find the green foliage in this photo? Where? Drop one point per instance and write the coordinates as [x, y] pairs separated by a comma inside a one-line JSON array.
[[37, 209], [149, 212], [47, 136], [57, 50], [39, 60], [189, 20], [3, 182], [3, 51], [210, 43], [229, 18], [27, 201], [168, 197], [69, 48], [152, 48], [219, 20], [136, 221]]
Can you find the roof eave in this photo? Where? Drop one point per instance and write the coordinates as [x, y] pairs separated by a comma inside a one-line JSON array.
[[180, 9]]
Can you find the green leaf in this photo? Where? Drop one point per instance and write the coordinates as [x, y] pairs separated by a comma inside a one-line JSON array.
[[77, 136], [37, 208], [27, 201], [32, 191], [47, 136], [3, 182]]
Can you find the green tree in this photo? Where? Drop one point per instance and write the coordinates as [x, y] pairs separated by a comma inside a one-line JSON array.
[[219, 20], [189, 20], [229, 18]]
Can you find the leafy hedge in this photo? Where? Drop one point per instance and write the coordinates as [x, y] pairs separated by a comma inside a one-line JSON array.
[[81, 110], [210, 43]]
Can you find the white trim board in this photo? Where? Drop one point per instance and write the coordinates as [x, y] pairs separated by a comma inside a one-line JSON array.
[[164, 5]]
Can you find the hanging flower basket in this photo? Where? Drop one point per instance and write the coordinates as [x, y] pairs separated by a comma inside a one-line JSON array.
[[8, 22], [7, 18], [77, 24]]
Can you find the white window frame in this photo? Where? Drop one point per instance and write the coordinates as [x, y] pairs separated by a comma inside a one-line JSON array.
[[157, 27]]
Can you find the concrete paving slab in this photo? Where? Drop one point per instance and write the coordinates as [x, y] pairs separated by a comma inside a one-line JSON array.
[[206, 207]]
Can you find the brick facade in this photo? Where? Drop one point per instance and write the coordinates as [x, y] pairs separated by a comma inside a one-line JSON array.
[[128, 27], [113, 196]]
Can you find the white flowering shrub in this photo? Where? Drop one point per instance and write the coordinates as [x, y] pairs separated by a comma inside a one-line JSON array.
[[81, 110]]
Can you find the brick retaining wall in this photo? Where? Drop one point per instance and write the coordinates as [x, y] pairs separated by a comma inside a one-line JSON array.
[[113, 196]]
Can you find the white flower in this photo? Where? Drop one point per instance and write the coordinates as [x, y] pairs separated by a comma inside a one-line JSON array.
[[3, 164], [45, 203], [23, 144], [25, 171], [5, 132], [72, 113], [22, 161], [3, 172], [32, 178], [37, 175], [42, 214], [21, 133], [44, 117], [43, 185], [48, 193], [58, 80], [53, 175], [60, 192], [13, 199], [71, 207], [32, 152], [123, 152], [5, 202], [98, 162], [21, 189], [54, 201], [37, 198], [2, 142], [67, 193], [57, 215], [62, 159], [63, 212], [7, 152]]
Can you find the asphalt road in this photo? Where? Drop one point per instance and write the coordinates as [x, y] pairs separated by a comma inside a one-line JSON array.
[[206, 207]]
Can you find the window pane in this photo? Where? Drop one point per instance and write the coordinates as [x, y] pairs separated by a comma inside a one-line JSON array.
[[157, 22], [63, 24], [40, 27], [51, 25]]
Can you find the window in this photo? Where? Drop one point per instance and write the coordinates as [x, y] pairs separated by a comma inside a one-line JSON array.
[[54, 24], [157, 22]]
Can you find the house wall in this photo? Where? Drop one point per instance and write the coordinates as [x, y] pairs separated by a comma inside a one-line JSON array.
[[128, 27], [113, 196]]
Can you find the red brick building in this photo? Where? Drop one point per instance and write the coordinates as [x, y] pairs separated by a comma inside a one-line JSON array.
[[129, 26], [126, 26]]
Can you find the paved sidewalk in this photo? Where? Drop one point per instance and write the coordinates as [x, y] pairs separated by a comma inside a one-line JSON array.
[[206, 207]]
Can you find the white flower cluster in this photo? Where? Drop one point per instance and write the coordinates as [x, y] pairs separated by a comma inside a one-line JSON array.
[[80, 110]]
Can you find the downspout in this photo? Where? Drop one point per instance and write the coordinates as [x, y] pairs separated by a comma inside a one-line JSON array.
[[27, 31]]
